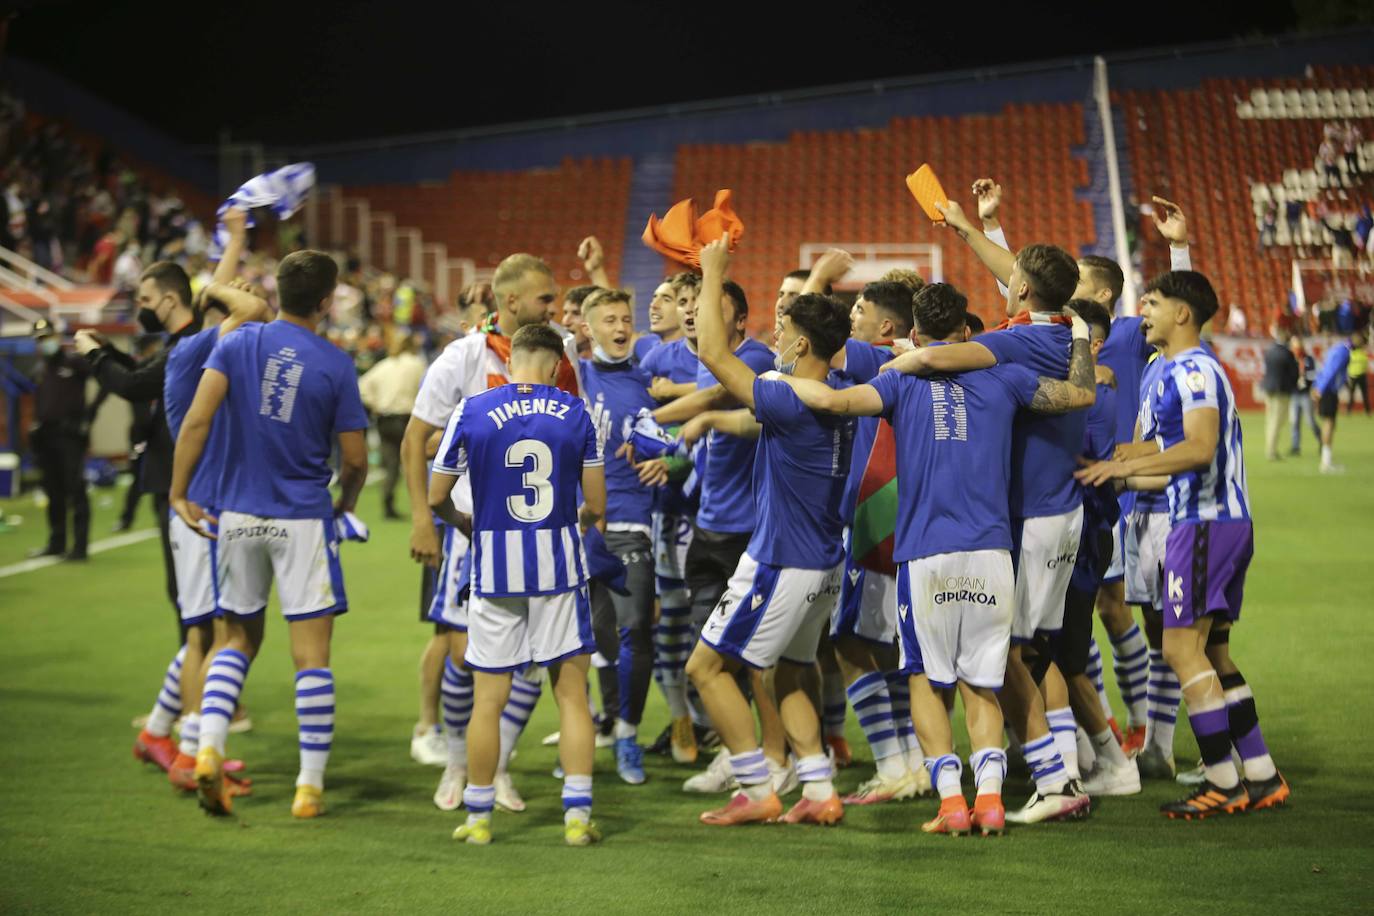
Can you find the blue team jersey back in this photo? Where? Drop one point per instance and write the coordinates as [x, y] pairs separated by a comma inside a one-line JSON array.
[[291, 392], [1148, 501], [1193, 380], [185, 362], [1044, 448], [727, 495], [1125, 352], [673, 360], [1099, 442], [524, 448], [862, 362], [954, 446], [799, 475], [616, 394]]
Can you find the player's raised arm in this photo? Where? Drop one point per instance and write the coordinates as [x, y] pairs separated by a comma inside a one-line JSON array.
[[195, 429], [1173, 226], [829, 267], [1079, 392], [240, 302], [713, 339], [996, 258], [235, 221], [958, 357], [594, 262]]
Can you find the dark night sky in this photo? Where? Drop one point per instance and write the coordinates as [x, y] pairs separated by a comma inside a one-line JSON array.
[[301, 73]]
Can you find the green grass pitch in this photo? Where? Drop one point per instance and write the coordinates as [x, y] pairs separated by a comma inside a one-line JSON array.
[[85, 829]]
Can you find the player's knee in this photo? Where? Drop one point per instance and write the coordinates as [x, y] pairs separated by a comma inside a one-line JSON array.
[[703, 664]]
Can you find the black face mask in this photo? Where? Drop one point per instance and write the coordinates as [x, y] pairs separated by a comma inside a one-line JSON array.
[[148, 320]]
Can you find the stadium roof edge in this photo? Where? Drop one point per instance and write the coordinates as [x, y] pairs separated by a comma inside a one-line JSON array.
[[769, 99]]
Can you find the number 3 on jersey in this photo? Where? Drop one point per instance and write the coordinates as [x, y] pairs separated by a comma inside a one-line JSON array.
[[535, 504]]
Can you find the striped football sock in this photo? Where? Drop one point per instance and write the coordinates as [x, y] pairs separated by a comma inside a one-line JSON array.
[[945, 773], [899, 690], [673, 644], [223, 683], [1094, 673], [190, 734], [524, 694], [989, 769], [315, 722], [479, 800], [816, 775], [1065, 733], [1163, 696], [168, 704], [577, 798], [1131, 658], [455, 697], [751, 771], [873, 708], [1046, 766], [1243, 721], [833, 699]]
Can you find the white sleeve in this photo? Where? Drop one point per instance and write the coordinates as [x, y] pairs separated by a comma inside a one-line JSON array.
[[452, 457], [1180, 258], [443, 384], [999, 238], [1196, 384]]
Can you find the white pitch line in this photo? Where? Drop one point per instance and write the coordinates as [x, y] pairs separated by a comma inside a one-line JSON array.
[[114, 543]]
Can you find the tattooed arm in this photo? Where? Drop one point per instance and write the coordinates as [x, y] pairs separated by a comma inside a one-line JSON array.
[[1055, 397]]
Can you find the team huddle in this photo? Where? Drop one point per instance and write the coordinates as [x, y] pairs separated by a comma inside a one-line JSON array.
[[888, 509]]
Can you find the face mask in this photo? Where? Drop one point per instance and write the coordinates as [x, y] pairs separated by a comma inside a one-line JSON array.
[[602, 356], [785, 368], [49, 347], [148, 320]]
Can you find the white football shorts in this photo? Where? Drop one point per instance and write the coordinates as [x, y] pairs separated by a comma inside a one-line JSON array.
[[1048, 550], [194, 562], [508, 634], [773, 612], [954, 616], [301, 554]]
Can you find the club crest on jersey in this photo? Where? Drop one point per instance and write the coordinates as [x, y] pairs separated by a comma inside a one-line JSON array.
[[1195, 382]]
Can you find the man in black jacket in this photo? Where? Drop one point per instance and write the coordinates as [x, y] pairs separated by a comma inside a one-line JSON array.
[[58, 439], [1279, 383], [140, 428]]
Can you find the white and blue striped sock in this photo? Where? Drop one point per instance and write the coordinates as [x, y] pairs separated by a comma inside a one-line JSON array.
[[899, 689], [1046, 766], [989, 769], [673, 644], [1131, 658], [1065, 732], [945, 773], [577, 798], [750, 769], [816, 775], [479, 800], [873, 708], [223, 684], [1162, 700], [190, 734], [1094, 673], [524, 694], [455, 697], [168, 704], [315, 721]]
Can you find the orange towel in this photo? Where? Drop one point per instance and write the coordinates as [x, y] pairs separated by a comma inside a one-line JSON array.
[[925, 187], [681, 233]]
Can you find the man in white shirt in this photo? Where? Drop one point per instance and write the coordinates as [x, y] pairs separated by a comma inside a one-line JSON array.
[[389, 389]]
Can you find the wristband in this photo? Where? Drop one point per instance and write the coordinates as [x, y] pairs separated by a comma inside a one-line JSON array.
[[1078, 327]]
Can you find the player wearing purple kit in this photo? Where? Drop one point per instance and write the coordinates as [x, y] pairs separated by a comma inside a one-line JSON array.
[[781, 595], [527, 446], [1195, 439], [955, 590]]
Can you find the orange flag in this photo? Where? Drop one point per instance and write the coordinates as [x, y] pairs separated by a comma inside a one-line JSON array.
[[681, 233], [925, 187]]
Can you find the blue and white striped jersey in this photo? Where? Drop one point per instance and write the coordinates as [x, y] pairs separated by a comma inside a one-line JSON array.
[[1190, 381], [524, 447]]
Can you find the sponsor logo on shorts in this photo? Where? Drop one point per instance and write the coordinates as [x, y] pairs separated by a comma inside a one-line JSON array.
[[757, 600], [267, 530], [853, 577], [969, 589], [1066, 557], [830, 589], [1175, 587]]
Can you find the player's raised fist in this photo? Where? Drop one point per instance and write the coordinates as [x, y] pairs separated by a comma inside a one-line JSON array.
[[715, 256], [591, 253], [1170, 221], [989, 194]]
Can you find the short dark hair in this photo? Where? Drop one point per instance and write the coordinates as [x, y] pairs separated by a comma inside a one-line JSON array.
[[169, 277], [535, 337], [1192, 288], [1095, 314], [1052, 273], [823, 320], [975, 324], [1105, 272], [578, 294], [685, 278], [603, 297], [803, 275], [893, 299], [736, 295], [304, 280], [940, 310]]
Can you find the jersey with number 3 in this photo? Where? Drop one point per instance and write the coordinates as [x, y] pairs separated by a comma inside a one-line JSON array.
[[524, 448]]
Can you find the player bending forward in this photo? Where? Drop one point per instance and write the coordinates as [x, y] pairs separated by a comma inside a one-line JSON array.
[[527, 446], [955, 589]]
